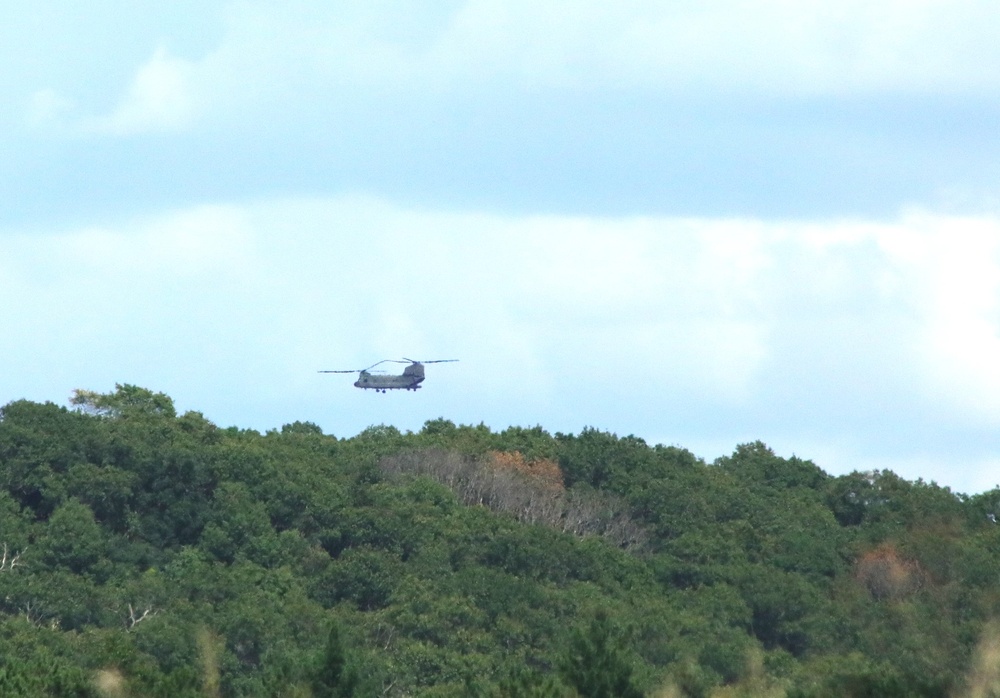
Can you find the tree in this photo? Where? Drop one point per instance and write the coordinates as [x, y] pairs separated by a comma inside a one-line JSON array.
[[757, 464], [335, 677], [302, 428], [601, 459], [126, 400], [73, 540], [596, 665], [38, 444]]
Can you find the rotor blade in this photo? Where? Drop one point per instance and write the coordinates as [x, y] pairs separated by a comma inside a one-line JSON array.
[[395, 361], [379, 362]]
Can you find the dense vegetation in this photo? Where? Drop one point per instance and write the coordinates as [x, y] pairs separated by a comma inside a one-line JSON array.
[[144, 553]]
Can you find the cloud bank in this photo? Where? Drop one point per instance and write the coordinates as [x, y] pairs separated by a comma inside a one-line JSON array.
[[267, 53], [830, 340]]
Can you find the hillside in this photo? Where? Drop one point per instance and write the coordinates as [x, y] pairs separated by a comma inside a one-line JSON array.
[[146, 553]]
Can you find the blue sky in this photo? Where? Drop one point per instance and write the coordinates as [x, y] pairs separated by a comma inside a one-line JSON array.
[[701, 224]]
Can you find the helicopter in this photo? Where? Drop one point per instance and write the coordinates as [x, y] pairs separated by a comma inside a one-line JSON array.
[[411, 378]]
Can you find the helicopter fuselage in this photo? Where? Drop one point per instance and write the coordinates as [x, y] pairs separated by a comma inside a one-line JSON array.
[[412, 377]]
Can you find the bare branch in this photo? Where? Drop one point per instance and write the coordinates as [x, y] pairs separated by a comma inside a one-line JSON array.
[[134, 620], [9, 561], [531, 491], [32, 613]]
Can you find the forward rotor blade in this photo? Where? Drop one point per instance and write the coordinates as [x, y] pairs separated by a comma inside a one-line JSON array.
[[395, 361], [359, 370]]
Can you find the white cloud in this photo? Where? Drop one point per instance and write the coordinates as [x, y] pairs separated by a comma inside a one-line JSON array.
[[204, 241], [775, 46], [717, 300], [305, 55], [767, 47], [951, 268], [102, 296], [159, 99]]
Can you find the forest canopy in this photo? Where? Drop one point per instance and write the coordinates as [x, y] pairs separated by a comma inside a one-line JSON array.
[[146, 553]]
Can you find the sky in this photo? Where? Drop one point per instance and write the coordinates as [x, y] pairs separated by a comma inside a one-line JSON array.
[[702, 224]]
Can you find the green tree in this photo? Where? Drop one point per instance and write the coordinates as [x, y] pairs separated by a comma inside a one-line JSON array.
[[756, 464], [38, 444], [125, 401], [239, 525], [45, 677], [73, 539], [596, 664], [602, 460], [335, 677]]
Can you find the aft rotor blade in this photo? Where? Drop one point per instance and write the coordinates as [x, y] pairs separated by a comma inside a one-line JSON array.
[[359, 370], [435, 361]]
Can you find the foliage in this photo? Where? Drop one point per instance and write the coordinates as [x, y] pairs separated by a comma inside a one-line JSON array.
[[596, 665], [145, 553], [334, 677]]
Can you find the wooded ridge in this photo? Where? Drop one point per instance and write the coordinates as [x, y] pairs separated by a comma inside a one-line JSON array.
[[146, 553]]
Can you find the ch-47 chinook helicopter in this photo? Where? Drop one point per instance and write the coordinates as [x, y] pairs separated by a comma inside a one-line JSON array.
[[412, 377]]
